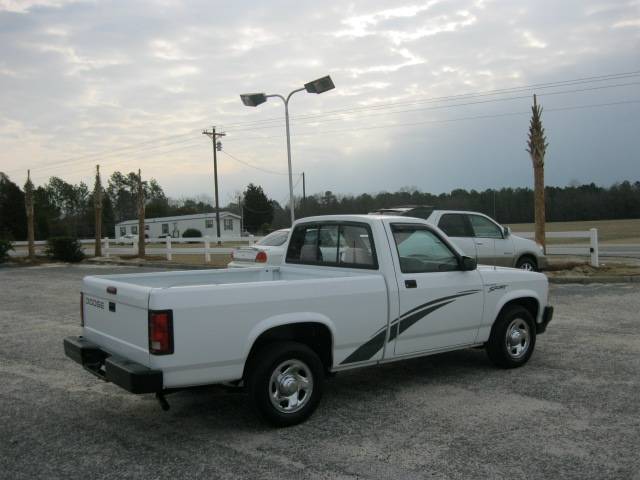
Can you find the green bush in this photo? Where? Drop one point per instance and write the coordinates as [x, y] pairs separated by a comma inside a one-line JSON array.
[[65, 249], [5, 247], [192, 233]]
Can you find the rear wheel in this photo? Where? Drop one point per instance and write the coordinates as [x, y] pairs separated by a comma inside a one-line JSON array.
[[285, 383], [513, 338], [527, 262]]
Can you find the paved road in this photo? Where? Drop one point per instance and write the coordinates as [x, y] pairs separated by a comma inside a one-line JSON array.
[[572, 412]]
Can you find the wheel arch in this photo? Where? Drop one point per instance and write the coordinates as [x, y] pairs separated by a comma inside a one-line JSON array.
[[528, 300], [314, 330], [526, 254]]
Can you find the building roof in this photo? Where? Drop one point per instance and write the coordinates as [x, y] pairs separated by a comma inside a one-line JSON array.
[[177, 218]]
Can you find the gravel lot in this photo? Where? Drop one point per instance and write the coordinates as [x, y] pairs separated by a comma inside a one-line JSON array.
[[572, 412]]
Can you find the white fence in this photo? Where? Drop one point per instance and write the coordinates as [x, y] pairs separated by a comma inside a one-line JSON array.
[[170, 247], [130, 247], [591, 250]]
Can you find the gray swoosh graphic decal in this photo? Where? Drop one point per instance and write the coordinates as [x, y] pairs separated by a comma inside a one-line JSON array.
[[372, 346]]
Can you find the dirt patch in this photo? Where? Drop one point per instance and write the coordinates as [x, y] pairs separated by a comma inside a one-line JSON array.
[[581, 269]]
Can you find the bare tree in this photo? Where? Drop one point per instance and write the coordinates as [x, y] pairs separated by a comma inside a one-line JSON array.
[[141, 231], [97, 205], [537, 148], [28, 200]]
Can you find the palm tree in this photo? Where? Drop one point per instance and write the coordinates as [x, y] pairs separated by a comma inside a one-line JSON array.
[[537, 148], [28, 200], [97, 205]]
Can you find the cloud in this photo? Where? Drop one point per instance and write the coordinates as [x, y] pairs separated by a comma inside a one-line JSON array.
[[92, 77]]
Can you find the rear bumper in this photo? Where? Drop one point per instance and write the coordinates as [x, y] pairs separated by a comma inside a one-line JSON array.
[[131, 376], [547, 315]]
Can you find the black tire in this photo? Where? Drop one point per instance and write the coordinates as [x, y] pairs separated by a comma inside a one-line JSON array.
[[303, 363], [527, 262], [502, 348]]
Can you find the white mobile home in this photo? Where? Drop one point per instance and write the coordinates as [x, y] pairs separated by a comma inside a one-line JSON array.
[[176, 226]]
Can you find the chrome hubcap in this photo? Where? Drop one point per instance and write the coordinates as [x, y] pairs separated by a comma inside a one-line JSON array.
[[290, 386], [518, 338]]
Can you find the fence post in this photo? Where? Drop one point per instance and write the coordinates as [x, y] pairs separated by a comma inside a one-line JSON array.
[[134, 247], [106, 247], [167, 241], [207, 254], [594, 247], [251, 240]]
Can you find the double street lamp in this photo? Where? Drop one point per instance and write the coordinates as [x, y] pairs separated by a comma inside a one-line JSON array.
[[320, 85]]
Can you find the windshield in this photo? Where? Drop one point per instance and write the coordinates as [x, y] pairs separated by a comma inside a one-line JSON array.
[[274, 239]]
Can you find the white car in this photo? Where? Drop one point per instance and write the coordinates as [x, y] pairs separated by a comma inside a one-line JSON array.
[[483, 238], [480, 237], [374, 289], [269, 251]]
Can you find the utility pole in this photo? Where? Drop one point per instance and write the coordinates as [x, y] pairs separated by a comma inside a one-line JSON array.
[[304, 192], [241, 214], [97, 204], [216, 146], [28, 190], [141, 231]]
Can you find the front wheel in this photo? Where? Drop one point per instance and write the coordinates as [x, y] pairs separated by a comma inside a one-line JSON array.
[[513, 338], [285, 383], [527, 262]]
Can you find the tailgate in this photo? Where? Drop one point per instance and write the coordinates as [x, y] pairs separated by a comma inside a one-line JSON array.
[[116, 317]]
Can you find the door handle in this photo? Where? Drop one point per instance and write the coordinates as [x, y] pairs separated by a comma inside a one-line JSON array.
[[411, 284]]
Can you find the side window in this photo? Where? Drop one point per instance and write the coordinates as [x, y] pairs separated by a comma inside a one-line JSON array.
[[420, 250], [483, 227], [134, 229], [165, 228], [332, 245], [455, 225], [208, 223], [356, 247], [123, 231]]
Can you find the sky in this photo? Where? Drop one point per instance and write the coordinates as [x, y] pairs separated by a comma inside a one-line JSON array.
[[431, 95]]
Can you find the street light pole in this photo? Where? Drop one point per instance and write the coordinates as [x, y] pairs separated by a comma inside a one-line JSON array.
[[286, 118], [320, 85]]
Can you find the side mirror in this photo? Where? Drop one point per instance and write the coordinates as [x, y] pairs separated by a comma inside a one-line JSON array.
[[468, 264], [506, 231]]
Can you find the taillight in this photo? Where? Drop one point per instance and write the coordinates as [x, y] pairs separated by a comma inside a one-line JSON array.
[[161, 332], [81, 309], [261, 257]]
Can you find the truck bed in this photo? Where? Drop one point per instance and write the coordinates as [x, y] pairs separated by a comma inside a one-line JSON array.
[[240, 303], [189, 278]]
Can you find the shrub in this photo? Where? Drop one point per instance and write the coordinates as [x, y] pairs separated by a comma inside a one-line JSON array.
[[5, 247], [65, 249], [192, 233]]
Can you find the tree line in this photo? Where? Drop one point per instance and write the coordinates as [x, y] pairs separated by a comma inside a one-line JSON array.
[[65, 209], [507, 205]]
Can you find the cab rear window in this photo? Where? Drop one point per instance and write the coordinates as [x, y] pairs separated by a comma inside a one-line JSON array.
[[333, 244]]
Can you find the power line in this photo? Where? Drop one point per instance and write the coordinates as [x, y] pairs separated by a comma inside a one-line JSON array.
[[547, 85], [273, 172], [453, 120], [444, 107]]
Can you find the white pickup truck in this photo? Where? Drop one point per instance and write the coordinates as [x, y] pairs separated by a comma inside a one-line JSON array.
[[352, 291]]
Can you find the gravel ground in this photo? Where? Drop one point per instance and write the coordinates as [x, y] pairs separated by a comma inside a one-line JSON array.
[[572, 412]]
